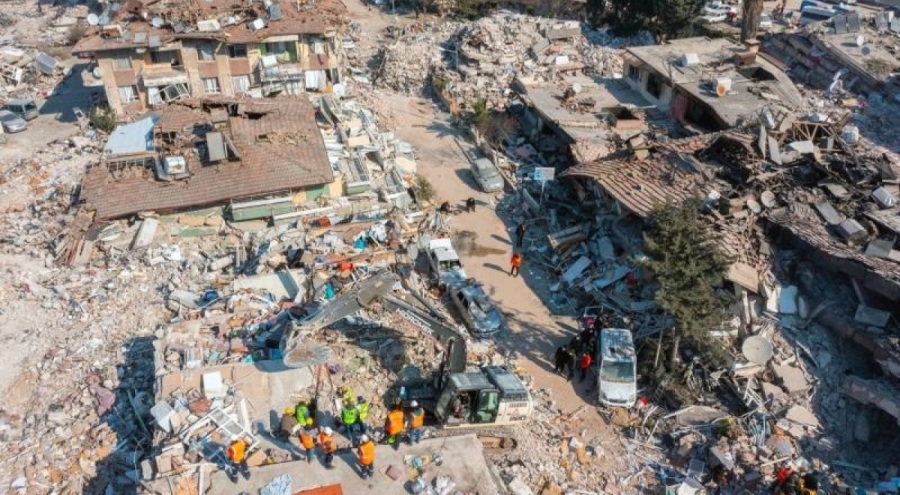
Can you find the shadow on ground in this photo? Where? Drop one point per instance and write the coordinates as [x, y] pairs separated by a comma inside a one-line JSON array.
[[69, 94]]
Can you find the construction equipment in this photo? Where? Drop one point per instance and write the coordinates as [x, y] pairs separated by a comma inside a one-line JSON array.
[[455, 396]]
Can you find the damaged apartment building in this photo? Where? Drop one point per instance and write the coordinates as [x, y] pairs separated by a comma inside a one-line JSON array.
[[682, 87], [184, 156], [155, 52]]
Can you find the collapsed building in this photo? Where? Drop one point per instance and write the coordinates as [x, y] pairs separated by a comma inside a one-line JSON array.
[[152, 53]]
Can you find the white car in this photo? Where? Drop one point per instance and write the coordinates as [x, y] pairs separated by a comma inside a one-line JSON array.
[[765, 21], [718, 8]]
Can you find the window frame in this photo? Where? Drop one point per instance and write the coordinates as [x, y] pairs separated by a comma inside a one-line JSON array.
[[122, 62], [237, 87], [134, 94], [206, 90], [233, 50], [204, 50]]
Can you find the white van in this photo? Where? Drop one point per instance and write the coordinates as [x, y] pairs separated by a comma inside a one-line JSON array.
[[617, 380]]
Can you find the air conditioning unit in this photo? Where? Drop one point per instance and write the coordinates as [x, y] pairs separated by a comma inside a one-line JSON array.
[[256, 24], [689, 60], [176, 165]]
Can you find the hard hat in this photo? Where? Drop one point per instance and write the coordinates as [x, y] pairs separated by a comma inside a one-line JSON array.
[[289, 410], [413, 404], [328, 430], [359, 399], [364, 438], [309, 421]]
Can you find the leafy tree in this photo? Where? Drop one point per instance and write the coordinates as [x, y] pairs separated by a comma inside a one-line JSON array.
[[423, 189], [683, 253], [676, 18], [595, 11], [103, 119], [751, 11], [666, 19]]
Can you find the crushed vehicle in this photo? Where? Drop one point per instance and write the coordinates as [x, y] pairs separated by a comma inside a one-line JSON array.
[[11, 122], [479, 314], [617, 380]]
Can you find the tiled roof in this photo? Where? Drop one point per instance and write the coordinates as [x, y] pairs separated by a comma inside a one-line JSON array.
[[280, 151]]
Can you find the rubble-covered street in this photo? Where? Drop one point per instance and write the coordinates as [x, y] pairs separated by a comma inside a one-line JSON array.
[[227, 225]]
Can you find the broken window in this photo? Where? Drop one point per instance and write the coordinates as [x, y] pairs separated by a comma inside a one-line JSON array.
[[237, 51], [127, 94], [206, 52], [122, 63], [169, 57], [211, 85], [633, 73], [153, 96], [175, 92], [654, 85], [241, 84], [284, 51]]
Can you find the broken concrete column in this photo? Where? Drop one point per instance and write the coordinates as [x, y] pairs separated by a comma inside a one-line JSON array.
[[874, 392]]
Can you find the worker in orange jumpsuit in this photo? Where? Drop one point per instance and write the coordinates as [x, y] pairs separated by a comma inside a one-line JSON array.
[[515, 263], [584, 364], [394, 426], [308, 442], [329, 446], [366, 456], [237, 455]]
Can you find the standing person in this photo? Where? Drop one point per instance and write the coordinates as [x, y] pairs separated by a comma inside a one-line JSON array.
[[362, 408], [570, 361], [470, 205], [515, 263], [302, 413], [366, 455], [349, 416], [520, 234], [394, 426], [559, 359], [584, 364], [416, 422], [326, 441], [346, 393], [288, 423], [308, 442], [237, 456]]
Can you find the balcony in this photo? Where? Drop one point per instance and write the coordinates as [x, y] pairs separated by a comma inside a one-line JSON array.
[[272, 70], [159, 75]]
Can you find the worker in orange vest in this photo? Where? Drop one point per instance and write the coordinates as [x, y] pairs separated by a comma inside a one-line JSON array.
[[308, 442], [326, 440], [237, 455], [394, 426], [515, 263], [366, 455], [416, 422]]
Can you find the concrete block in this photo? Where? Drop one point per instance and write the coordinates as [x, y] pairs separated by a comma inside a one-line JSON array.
[[803, 416], [791, 378]]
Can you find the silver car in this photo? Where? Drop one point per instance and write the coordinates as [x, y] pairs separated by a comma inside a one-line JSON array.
[[487, 175], [12, 122]]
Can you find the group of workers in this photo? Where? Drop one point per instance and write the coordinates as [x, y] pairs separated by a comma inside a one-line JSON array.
[[300, 420], [447, 209], [795, 481], [578, 353]]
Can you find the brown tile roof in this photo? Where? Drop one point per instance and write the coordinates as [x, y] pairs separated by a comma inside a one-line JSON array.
[[280, 151]]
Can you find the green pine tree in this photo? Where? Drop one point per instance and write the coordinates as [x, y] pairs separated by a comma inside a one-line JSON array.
[[684, 255]]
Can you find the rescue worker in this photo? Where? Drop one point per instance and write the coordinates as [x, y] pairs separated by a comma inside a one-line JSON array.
[[584, 364], [416, 422], [520, 234], [570, 361], [445, 207], [302, 412], [394, 426], [289, 423], [470, 205], [366, 455], [515, 263], [308, 442], [559, 359], [346, 394], [237, 456], [326, 441], [362, 407], [349, 416], [810, 484]]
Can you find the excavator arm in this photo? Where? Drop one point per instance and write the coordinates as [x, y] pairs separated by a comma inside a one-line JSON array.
[[295, 346]]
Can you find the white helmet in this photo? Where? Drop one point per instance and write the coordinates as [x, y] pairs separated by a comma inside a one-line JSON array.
[[328, 430], [413, 404], [363, 438]]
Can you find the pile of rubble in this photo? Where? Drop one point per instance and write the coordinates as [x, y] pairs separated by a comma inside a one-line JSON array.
[[479, 59]]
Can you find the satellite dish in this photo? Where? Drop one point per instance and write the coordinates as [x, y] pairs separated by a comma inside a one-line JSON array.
[[860, 41], [97, 73], [157, 22], [757, 349], [93, 19], [104, 20]]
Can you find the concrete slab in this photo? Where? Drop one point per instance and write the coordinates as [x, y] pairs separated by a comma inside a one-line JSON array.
[[792, 378], [463, 461], [803, 416]]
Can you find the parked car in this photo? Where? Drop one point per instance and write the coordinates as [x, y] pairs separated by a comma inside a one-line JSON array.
[[765, 21], [12, 122], [443, 260], [617, 380], [719, 8], [25, 108], [479, 314], [487, 175]]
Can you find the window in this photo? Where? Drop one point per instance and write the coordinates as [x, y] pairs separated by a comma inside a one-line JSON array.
[[127, 94], [654, 88], [633, 73], [237, 51], [170, 58], [211, 85], [284, 51], [206, 52], [241, 84], [122, 63]]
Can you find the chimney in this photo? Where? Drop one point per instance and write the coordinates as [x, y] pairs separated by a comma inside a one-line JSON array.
[[748, 57]]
